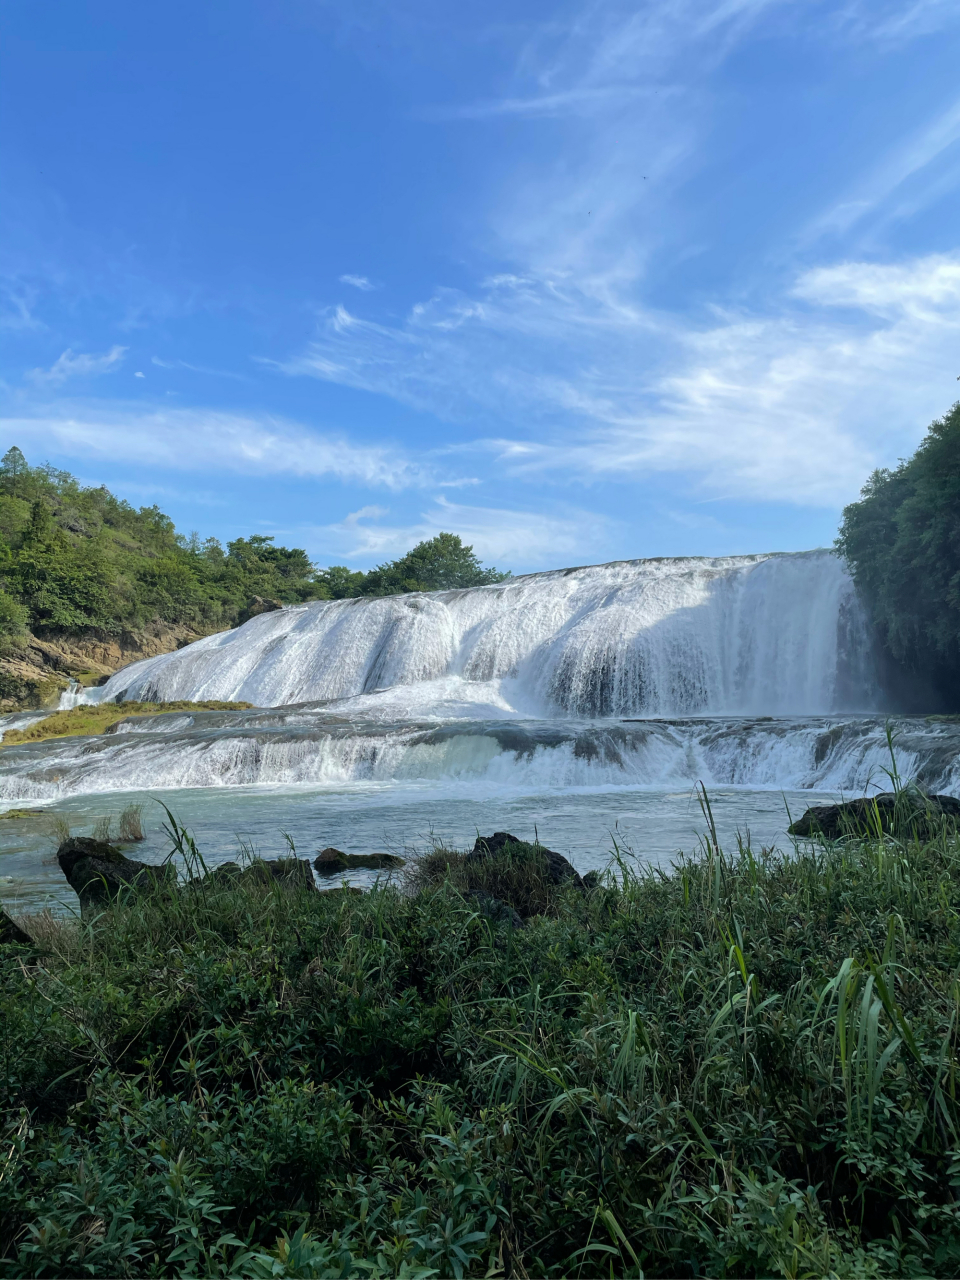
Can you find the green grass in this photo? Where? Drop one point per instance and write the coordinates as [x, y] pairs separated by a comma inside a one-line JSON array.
[[97, 719], [744, 1067]]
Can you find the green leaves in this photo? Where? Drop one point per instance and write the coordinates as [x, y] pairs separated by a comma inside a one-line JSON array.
[[902, 541]]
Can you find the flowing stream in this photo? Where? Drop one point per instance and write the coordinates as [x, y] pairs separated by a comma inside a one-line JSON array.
[[585, 703]]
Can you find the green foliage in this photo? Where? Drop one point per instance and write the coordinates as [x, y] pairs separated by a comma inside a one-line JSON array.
[[439, 564], [743, 1067], [73, 558], [902, 541]]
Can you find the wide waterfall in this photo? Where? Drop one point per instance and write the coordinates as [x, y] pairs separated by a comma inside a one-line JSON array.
[[743, 635]]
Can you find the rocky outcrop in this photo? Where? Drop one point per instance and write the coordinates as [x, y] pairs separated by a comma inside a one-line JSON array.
[[908, 813], [99, 873], [559, 870], [255, 606], [330, 862], [10, 932], [36, 672], [288, 873]]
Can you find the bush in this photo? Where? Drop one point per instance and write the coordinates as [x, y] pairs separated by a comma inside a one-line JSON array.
[[743, 1067]]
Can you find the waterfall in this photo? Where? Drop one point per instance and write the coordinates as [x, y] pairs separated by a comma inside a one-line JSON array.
[[742, 635]]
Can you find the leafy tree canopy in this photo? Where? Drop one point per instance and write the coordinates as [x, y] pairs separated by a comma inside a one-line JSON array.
[[902, 542], [74, 557]]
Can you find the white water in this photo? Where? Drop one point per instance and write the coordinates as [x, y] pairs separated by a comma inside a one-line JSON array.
[[571, 703], [748, 635]]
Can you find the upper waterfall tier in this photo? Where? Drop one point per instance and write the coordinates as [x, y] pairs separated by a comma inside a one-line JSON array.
[[745, 635]]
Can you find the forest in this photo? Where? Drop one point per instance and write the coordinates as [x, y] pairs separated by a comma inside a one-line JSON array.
[[74, 558]]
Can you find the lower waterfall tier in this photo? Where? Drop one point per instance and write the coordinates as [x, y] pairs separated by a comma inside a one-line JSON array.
[[297, 746]]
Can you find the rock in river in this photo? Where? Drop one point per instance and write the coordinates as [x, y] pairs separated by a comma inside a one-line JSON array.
[[98, 872], [908, 813]]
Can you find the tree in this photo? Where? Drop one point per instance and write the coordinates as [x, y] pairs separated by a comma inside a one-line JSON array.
[[902, 542], [439, 564]]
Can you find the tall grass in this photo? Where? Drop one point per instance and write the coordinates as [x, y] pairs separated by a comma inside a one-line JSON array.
[[746, 1066]]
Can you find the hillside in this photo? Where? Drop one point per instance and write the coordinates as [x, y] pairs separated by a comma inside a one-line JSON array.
[[89, 583]]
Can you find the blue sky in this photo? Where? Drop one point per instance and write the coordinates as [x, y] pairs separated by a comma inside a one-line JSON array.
[[576, 281]]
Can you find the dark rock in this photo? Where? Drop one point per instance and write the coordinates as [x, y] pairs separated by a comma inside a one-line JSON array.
[[330, 862], [10, 931], [349, 890], [289, 873], [591, 880], [496, 910], [98, 872], [559, 870], [910, 813], [255, 606]]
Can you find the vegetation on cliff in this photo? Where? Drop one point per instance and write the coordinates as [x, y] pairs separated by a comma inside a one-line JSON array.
[[902, 542], [74, 558], [744, 1067]]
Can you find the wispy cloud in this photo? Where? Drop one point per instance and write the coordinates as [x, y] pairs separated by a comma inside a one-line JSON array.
[[358, 282], [495, 533], [71, 365], [198, 368], [905, 173], [199, 440], [853, 362]]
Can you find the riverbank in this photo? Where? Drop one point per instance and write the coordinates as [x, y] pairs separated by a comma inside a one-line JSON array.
[[741, 1067]]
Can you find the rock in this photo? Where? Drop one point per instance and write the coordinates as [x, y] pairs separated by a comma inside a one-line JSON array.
[[10, 932], [98, 872], [559, 870], [255, 606], [289, 873], [349, 890], [911, 812], [496, 910], [592, 880], [331, 862]]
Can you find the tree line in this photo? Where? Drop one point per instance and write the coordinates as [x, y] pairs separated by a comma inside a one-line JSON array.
[[74, 558], [902, 542]]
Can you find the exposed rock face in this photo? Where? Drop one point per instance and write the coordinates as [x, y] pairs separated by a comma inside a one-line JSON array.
[[909, 813], [98, 872], [35, 674], [10, 931], [255, 606], [330, 862], [559, 870]]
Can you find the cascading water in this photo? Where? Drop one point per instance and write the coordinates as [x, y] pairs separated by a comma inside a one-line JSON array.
[[773, 635], [566, 703]]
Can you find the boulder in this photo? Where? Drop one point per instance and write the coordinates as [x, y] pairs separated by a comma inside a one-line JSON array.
[[255, 606], [496, 910], [98, 872], [10, 931], [331, 862], [288, 873], [559, 870], [910, 812]]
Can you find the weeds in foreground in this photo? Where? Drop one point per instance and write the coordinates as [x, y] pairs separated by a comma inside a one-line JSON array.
[[743, 1067]]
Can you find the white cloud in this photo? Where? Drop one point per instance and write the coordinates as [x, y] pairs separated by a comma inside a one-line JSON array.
[[903, 182], [197, 368], [796, 406], [70, 365], [138, 374], [358, 282], [496, 534], [198, 440]]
